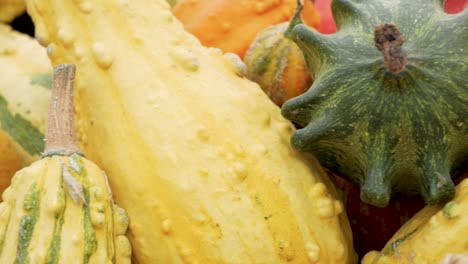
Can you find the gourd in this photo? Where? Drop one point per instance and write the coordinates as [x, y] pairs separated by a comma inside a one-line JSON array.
[[389, 103], [430, 235], [60, 209], [10, 9], [455, 6], [233, 25], [10, 160], [197, 155], [24, 99], [327, 23], [277, 64]]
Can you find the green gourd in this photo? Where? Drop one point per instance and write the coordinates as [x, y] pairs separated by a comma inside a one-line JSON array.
[[389, 105]]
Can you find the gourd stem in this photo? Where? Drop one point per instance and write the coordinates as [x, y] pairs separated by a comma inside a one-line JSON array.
[[60, 132], [295, 19], [388, 40]]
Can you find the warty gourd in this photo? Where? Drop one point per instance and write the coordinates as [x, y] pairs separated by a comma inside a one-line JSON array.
[[60, 208], [197, 155]]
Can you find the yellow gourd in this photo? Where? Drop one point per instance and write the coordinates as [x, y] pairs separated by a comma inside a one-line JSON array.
[[25, 80], [9, 9], [197, 155], [431, 236], [60, 208]]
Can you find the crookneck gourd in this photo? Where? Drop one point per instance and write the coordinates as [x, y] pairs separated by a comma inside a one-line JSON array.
[[60, 208], [389, 105], [435, 233], [197, 155], [25, 81]]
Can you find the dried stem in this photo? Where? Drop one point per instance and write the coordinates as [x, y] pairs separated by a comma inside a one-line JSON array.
[[388, 40], [60, 133]]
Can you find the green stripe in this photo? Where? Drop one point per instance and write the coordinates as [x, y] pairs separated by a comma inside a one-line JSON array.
[[27, 224], [20, 129], [89, 233], [42, 79], [54, 249]]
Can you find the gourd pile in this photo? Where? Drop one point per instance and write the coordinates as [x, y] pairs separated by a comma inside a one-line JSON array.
[[272, 131]]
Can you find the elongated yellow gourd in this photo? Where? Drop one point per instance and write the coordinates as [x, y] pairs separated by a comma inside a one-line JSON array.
[[60, 208], [435, 234], [25, 80], [198, 156]]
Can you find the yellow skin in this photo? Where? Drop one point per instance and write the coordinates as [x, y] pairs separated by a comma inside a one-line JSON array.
[[197, 155], [10, 9], [435, 232], [66, 200], [25, 98]]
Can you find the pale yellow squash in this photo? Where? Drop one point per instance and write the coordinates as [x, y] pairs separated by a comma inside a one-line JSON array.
[[197, 155], [431, 236]]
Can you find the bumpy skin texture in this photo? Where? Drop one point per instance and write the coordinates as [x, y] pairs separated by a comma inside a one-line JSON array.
[[429, 236], [60, 210], [198, 156], [388, 132]]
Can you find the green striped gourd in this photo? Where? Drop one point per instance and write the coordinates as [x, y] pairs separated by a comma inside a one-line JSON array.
[[389, 105], [25, 85], [277, 64], [60, 208]]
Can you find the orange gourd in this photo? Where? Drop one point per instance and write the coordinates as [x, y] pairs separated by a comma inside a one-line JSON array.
[[10, 162], [233, 25]]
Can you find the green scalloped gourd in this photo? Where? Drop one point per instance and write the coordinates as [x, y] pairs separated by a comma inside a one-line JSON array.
[[389, 132]]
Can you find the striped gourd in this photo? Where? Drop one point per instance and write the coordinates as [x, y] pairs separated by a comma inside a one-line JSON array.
[[24, 98], [432, 235], [277, 64], [59, 209], [197, 155]]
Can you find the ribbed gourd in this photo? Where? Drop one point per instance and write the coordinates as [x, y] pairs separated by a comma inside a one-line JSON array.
[[431, 236], [60, 208], [389, 105], [10, 9], [277, 64], [25, 84], [197, 155]]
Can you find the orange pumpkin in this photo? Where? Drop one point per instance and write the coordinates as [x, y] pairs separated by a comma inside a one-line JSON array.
[[232, 25]]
